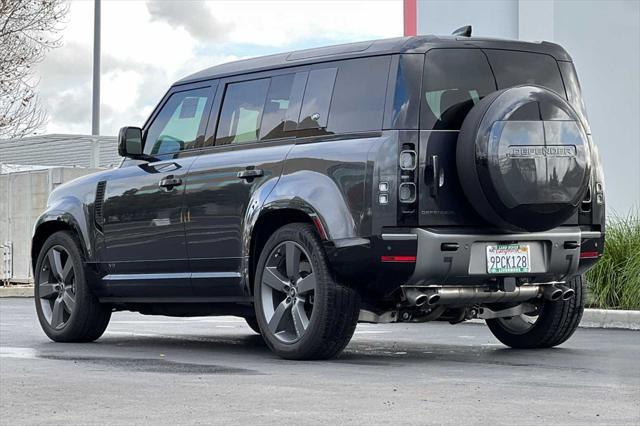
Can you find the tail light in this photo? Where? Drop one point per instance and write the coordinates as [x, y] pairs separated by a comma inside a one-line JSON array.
[[407, 189]]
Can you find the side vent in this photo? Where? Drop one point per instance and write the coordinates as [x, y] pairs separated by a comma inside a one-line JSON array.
[[98, 204]]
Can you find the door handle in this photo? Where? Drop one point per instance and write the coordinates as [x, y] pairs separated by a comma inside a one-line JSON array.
[[250, 173], [434, 165], [169, 182]]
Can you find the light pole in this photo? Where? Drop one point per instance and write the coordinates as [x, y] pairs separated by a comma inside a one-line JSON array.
[[95, 111]]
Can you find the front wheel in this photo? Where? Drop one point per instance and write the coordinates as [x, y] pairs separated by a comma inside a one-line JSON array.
[[554, 324], [66, 308], [302, 312]]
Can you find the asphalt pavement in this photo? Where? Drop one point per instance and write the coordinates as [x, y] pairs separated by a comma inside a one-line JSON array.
[[215, 370]]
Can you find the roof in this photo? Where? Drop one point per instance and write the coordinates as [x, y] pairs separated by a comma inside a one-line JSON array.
[[61, 150], [417, 44]]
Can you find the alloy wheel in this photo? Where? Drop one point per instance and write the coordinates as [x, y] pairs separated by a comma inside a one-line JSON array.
[[57, 287], [520, 324], [288, 289]]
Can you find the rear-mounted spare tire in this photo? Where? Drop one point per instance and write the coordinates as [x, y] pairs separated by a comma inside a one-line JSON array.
[[523, 159]]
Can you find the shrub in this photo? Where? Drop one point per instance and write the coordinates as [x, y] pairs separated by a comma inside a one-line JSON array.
[[614, 282]]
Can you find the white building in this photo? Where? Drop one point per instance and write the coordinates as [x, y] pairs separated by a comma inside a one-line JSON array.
[[603, 38]]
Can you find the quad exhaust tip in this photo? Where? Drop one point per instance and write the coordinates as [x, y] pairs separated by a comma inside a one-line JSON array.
[[558, 292], [567, 293], [418, 298], [553, 293]]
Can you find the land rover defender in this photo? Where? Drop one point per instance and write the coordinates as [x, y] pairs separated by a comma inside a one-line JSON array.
[[412, 179]]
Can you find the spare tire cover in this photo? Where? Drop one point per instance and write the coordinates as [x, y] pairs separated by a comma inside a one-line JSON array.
[[523, 159]]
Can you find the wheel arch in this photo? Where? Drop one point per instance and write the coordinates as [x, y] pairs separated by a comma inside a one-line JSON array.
[[50, 223]]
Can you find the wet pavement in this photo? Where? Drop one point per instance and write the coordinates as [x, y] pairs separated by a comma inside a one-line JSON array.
[[165, 370]]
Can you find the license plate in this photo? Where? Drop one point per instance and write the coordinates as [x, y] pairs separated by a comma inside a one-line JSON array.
[[508, 258]]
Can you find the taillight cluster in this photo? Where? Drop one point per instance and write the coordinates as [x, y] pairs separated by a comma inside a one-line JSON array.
[[407, 190]]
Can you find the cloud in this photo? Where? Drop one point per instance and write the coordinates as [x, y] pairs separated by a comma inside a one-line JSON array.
[[148, 45], [194, 16]]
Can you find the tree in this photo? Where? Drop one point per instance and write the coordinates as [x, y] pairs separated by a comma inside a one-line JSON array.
[[26, 34]]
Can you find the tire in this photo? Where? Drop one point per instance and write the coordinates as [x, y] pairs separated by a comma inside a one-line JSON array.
[[252, 322], [66, 308], [555, 323], [331, 310]]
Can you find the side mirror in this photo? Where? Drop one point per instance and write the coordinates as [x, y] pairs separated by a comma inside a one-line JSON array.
[[130, 142]]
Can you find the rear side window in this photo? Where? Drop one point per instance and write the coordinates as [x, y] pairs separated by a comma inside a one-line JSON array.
[[359, 95], [513, 68], [317, 99], [454, 81], [282, 107], [242, 112]]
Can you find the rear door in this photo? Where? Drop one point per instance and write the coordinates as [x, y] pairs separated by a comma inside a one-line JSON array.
[[247, 148], [454, 81]]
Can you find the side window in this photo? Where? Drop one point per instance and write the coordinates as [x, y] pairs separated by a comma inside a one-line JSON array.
[[282, 107], [176, 126], [317, 99], [359, 95], [513, 68], [454, 81], [242, 112]]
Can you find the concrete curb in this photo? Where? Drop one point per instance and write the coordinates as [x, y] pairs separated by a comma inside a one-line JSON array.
[[16, 291], [592, 318], [609, 318]]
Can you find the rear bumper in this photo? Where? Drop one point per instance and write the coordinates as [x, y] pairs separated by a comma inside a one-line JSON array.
[[458, 256]]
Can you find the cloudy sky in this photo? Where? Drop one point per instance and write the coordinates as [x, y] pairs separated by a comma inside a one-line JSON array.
[[147, 45]]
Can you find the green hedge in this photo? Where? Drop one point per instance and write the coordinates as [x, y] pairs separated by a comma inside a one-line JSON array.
[[614, 282]]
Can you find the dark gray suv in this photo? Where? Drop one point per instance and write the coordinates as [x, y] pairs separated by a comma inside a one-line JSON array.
[[405, 180]]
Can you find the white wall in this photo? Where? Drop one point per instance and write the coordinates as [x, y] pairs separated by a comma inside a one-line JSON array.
[[491, 18], [23, 197], [603, 38]]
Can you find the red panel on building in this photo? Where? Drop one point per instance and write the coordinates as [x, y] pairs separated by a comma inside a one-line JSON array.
[[410, 18]]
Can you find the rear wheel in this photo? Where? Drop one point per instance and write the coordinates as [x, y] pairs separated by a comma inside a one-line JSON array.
[[302, 312], [554, 324], [67, 310]]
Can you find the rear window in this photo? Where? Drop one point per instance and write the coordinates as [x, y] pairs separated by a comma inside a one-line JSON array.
[[513, 68], [454, 81]]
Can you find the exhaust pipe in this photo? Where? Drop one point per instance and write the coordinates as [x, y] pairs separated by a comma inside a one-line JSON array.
[[468, 295], [552, 293], [567, 293], [416, 297]]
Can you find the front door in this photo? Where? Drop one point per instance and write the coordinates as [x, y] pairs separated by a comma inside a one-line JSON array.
[[143, 219]]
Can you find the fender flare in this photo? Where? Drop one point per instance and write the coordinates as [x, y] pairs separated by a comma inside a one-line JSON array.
[[69, 212], [317, 195]]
